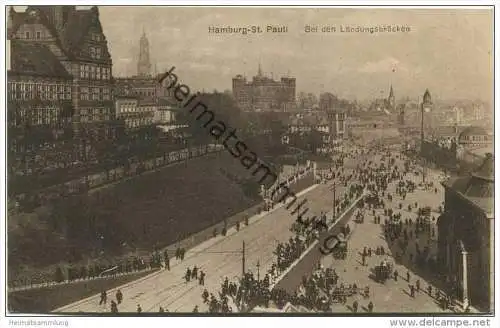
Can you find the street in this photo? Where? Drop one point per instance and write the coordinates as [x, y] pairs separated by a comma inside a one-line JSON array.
[[218, 257], [393, 296]]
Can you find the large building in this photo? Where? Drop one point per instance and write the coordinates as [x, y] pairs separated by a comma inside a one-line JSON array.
[[387, 105], [473, 144], [141, 99], [264, 93], [39, 110], [465, 236], [75, 37]]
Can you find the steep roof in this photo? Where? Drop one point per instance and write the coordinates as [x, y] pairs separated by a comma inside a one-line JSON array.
[[479, 187], [69, 37], [473, 131], [35, 59], [76, 28]]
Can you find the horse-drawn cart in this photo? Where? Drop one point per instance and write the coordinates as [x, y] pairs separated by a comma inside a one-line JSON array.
[[383, 271]]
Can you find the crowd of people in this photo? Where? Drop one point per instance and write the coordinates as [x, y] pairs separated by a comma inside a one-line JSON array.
[[324, 288]]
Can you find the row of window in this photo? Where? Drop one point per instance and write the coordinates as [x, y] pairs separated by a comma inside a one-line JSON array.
[[94, 72], [96, 52], [95, 111], [94, 117], [143, 93], [133, 123], [135, 109], [37, 35], [27, 91], [95, 37], [95, 93], [476, 138], [95, 114], [37, 116]]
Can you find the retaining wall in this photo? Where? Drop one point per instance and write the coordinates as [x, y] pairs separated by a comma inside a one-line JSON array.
[[291, 279]]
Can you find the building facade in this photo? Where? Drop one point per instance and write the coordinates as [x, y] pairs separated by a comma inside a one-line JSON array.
[[387, 105], [134, 113], [264, 93], [76, 39], [141, 100], [465, 236], [338, 125], [39, 110]]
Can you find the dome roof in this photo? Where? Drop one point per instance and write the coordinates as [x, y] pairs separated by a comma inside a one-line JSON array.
[[473, 131], [487, 170]]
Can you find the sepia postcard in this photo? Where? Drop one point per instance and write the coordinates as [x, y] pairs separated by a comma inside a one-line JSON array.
[[206, 160]]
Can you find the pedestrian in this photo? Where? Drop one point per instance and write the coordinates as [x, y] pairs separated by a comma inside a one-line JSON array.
[[370, 307], [167, 263], [412, 291], [369, 251], [114, 307], [103, 297], [139, 309], [355, 306], [429, 290], [161, 310], [205, 296], [395, 275], [408, 276], [195, 310], [119, 296], [417, 283], [202, 278]]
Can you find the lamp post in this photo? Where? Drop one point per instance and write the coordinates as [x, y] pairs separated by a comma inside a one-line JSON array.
[[334, 203]]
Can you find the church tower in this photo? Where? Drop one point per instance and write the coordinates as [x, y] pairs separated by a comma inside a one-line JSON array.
[[144, 64], [391, 99]]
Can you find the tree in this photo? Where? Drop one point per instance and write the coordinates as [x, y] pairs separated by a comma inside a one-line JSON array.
[[315, 140]]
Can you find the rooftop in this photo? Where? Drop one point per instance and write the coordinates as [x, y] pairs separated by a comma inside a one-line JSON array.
[[473, 131], [478, 188], [35, 59]]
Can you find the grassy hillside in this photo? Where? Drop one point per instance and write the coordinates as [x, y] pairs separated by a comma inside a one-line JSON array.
[[155, 209]]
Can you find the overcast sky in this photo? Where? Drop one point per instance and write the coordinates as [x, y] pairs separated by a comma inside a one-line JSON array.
[[448, 51]]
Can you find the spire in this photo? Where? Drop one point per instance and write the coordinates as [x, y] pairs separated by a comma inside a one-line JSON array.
[[391, 93], [427, 97], [259, 73]]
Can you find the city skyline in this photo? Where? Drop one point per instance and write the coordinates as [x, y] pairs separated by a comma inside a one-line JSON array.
[[455, 63]]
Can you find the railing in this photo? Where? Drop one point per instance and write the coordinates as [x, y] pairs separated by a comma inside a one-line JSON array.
[[44, 282], [122, 270], [106, 177]]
